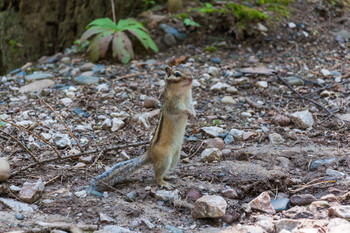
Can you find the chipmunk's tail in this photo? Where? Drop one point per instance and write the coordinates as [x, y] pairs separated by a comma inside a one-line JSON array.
[[118, 173]]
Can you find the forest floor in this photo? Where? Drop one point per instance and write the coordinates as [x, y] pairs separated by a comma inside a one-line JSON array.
[[275, 153]]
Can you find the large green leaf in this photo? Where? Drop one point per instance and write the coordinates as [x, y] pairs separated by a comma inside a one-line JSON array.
[[104, 45], [105, 23], [119, 49], [144, 38], [124, 24], [128, 45], [94, 48], [91, 31]]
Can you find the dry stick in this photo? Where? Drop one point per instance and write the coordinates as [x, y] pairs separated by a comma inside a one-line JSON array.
[[113, 12], [23, 146], [200, 146], [311, 185], [70, 132], [35, 135], [305, 98], [77, 155]]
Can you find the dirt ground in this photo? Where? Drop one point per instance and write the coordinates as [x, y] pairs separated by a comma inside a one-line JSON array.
[[252, 165]]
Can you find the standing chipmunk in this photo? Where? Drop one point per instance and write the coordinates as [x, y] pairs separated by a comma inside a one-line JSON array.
[[165, 147]]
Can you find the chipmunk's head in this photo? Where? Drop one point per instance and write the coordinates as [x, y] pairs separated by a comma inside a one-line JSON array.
[[178, 79]]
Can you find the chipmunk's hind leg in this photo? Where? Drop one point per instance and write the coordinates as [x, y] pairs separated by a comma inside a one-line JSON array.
[[161, 167]]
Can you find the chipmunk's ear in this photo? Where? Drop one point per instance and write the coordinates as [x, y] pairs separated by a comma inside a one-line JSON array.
[[168, 71]]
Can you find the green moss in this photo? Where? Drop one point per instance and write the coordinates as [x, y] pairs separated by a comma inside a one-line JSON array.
[[244, 13], [182, 15], [211, 49]]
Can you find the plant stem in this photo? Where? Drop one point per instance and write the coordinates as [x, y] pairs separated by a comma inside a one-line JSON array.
[[113, 12]]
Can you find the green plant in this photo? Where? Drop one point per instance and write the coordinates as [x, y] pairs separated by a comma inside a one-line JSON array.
[[149, 2], [189, 22], [216, 122], [104, 31], [211, 49]]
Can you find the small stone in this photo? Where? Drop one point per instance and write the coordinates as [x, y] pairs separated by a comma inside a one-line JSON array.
[[303, 199], [31, 192], [216, 60], [196, 83], [232, 90], [228, 140], [276, 138], [253, 59], [261, 84], [148, 223], [282, 120], [341, 211], [343, 228], [104, 88], [81, 194], [230, 193], [25, 124], [86, 67], [83, 80], [307, 230], [315, 164], [213, 71], [237, 134], [104, 218], [325, 93], [209, 206], [173, 229], [326, 72], [61, 140], [38, 75], [66, 60], [286, 224], [193, 195], [66, 101], [329, 197], [262, 203], [167, 195], [257, 70], [19, 216], [132, 195], [303, 119], [219, 86], [169, 40], [113, 229], [87, 74], [292, 25], [210, 155], [262, 28], [280, 204], [17, 206], [79, 165], [36, 86], [229, 218], [320, 203], [4, 169], [335, 174], [213, 131], [150, 102], [99, 69], [117, 124], [215, 143], [86, 159], [294, 81], [80, 128], [246, 114], [228, 100], [106, 124], [15, 188]]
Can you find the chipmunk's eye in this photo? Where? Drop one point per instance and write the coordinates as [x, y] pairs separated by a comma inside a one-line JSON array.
[[177, 74]]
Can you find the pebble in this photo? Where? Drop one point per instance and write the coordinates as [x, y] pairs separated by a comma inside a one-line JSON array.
[[211, 154], [292, 25], [219, 86], [213, 131], [196, 83], [61, 140], [98, 69], [315, 164], [335, 174], [286, 224], [150, 102], [326, 72], [303, 119], [36, 86], [113, 229], [228, 100], [167, 195], [215, 143], [104, 88], [19, 216], [117, 124], [262, 203], [232, 90], [228, 140], [66, 101], [66, 60], [246, 114], [280, 204], [261, 84], [46, 136], [173, 31], [106, 124], [80, 112], [173, 229], [209, 206], [341, 211], [213, 71], [193, 195], [276, 138], [38, 75], [294, 81], [83, 80], [30, 192], [81, 194], [79, 129], [230, 193], [4, 169], [216, 60], [236, 134], [281, 120], [325, 93], [86, 67], [104, 218], [169, 40], [262, 28], [303, 199]]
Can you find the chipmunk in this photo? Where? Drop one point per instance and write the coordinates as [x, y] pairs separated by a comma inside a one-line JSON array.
[[165, 147]]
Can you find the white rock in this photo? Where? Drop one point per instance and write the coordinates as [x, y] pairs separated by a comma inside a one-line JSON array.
[[341, 211], [213, 71], [276, 138], [302, 119], [325, 93], [292, 25], [117, 124], [104, 218], [246, 114], [102, 88], [167, 195], [25, 124], [232, 90], [70, 94], [343, 228], [211, 154], [209, 206], [219, 86], [196, 83], [17, 206], [286, 224], [72, 89], [237, 134], [228, 100], [326, 72], [31, 192], [113, 229], [61, 140], [213, 131], [66, 101], [106, 124], [262, 84], [81, 194], [262, 28], [4, 169], [307, 230], [46, 136]]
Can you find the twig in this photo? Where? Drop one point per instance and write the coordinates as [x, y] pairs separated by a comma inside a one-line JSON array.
[[23, 146], [77, 155], [35, 135], [113, 12], [311, 185], [53, 179], [305, 98], [70, 132], [130, 75], [200, 146]]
